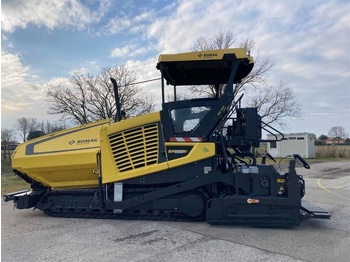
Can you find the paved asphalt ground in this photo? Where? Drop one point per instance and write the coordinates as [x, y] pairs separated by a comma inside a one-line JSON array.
[[28, 235]]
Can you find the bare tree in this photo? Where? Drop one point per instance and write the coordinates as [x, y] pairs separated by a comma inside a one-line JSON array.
[[49, 127], [133, 100], [6, 140], [87, 98], [337, 133], [26, 125], [224, 40], [7, 134], [273, 102], [221, 40], [179, 96]]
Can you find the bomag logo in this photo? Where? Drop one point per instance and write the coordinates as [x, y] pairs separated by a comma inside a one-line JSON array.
[[177, 151], [210, 55], [83, 141], [86, 141], [200, 55]]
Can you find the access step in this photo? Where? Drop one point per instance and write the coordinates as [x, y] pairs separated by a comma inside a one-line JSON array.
[[308, 210]]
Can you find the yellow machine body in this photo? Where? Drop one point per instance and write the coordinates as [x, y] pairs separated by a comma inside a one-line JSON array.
[[129, 149], [65, 159]]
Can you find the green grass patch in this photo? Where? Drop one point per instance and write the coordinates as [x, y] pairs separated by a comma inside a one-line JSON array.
[[10, 182]]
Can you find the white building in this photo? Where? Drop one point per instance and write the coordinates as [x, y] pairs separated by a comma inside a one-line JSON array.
[[295, 143]]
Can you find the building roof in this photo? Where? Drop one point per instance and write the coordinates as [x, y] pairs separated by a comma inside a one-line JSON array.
[[293, 134]]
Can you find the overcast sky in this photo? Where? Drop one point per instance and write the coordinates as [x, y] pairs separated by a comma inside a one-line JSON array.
[[43, 41]]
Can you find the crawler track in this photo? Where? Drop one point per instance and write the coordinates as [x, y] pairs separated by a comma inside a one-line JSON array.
[[126, 216], [91, 210]]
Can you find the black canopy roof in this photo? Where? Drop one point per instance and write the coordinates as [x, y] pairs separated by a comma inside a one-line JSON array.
[[204, 68]]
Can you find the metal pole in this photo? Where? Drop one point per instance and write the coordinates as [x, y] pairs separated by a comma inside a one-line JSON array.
[[118, 115]]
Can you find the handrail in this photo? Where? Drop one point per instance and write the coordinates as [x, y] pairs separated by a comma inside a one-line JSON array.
[[228, 115], [274, 129]]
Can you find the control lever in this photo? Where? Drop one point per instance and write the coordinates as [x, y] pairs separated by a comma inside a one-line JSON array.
[[263, 160], [302, 160]]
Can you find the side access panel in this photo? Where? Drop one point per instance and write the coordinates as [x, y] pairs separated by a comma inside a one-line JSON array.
[[261, 211], [253, 211]]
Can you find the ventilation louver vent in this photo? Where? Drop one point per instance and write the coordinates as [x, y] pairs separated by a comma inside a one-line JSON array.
[[135, 148]]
